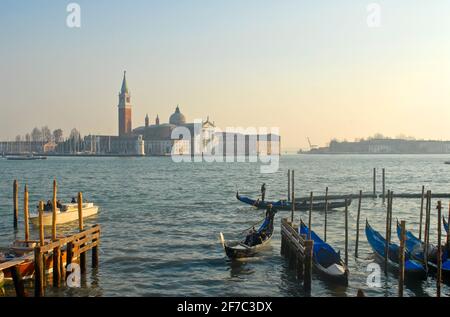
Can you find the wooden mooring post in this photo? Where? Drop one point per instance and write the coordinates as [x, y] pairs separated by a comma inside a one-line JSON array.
[[425, 232], [57, 249], [383, 183], [18, 282], [386, 247], [25, 214], [289, 185], [310, 215], [357, 223], [346, 232], [307, 272], [81, 228], [16, 203], [421, 212], [448, 232], [374, 181], [326, 213], [293, 198], [401, 277], [439, 252], [39, 269]]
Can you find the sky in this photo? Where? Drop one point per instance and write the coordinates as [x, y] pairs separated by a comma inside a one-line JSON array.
[[311, 68]]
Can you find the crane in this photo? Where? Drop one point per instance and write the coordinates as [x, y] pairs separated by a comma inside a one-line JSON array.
[[311, 146]]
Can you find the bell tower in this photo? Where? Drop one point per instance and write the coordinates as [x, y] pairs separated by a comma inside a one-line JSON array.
[[124, 108]]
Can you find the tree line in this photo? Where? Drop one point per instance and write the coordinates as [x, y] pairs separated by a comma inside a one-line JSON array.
[[45, 135]]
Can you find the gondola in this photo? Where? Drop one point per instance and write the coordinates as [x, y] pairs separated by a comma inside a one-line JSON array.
[[244, 249], [326, 261], [445, 224], [413, 268], [416, 249], [286, 205]]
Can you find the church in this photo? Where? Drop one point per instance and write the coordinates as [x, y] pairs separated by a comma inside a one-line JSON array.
[[155, 139], [150, 139]]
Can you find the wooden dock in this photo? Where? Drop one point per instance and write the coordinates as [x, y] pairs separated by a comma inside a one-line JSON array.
[[54, 254]]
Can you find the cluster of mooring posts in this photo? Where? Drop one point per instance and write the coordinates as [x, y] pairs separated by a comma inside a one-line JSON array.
[[372, 194], [298, 249], [49, 254]]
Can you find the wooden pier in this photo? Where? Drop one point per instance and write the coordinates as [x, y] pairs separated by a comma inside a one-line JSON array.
[[54, 254], [298, 252]]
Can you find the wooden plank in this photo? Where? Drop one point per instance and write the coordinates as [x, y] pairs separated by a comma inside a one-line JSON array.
[[85, 248], [87, 239], [63, 241], [10, 264]]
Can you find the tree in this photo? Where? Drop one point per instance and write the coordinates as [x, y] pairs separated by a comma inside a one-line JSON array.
[[58, 135], [18, 138], [27, 137], [46, 134], [36, 135]]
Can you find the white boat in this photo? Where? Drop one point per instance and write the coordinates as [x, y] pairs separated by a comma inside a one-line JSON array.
[[68, 213]]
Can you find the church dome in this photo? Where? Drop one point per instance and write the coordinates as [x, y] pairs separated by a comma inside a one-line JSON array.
[[177, 118]]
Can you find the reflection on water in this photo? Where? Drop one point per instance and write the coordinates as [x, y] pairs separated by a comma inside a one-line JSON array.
[[160, 220]]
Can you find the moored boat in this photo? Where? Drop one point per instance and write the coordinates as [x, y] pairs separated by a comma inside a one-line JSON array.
[[416, 248], [68, 213], [303, 205], [26, 158], [23, 253], [326, 261], [445, 224], [413, 268], [250, 245]]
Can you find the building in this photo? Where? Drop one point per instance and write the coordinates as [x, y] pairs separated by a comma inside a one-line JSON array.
[[149, 139]]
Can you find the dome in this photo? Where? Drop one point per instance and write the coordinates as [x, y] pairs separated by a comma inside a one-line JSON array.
[[177, 118]]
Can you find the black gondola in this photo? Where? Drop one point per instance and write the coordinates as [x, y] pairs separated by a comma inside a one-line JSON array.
[[251, 243], [303, 205]]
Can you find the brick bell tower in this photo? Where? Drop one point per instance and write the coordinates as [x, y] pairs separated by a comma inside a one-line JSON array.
[[124, 108]]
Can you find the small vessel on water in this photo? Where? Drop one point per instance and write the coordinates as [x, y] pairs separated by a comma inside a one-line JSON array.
[[67, 213], [326, 261], [445, 224], [447, 162], [23, 253], [30, 157], [413, 268], [416, 248], [287, 205], [251, 243]]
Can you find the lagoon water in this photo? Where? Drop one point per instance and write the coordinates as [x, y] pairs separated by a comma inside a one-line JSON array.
[[160, 220]]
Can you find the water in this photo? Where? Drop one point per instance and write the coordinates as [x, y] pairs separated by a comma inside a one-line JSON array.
[[160, 220]]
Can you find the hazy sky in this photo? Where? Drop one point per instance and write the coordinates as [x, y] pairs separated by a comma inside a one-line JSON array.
[[311, 68]]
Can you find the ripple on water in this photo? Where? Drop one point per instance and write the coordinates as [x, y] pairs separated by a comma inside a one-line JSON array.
[[160, 220]]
